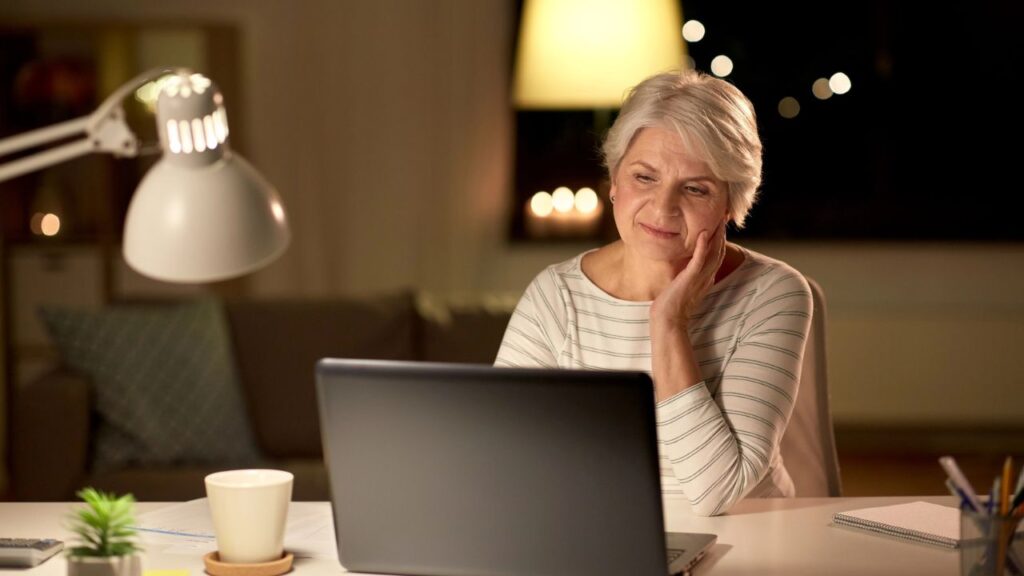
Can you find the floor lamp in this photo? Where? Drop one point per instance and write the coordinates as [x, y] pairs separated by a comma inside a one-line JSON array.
[[573, 57]]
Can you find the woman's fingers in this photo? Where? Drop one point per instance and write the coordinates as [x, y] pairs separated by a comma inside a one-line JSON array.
[[717, 256], [700, 252], [692, 282], [721, 248], [708, 255]]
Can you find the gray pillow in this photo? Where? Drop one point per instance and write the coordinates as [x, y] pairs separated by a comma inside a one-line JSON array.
[[165, 383]]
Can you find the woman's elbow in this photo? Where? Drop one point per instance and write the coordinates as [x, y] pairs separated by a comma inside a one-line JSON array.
[[704, 509], [715, 502]]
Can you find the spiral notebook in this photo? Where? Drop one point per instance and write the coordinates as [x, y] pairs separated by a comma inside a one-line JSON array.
[[922, 522]]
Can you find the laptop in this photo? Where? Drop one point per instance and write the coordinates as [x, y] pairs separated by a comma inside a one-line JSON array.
[[449, 469]]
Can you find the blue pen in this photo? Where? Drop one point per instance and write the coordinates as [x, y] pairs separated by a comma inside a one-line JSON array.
[[965, 502], [960, 481], [993, 497]]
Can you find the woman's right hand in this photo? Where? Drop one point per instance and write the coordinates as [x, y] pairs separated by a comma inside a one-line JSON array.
[[673, 307]]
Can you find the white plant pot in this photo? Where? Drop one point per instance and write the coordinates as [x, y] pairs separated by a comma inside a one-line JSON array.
[[105, 566]]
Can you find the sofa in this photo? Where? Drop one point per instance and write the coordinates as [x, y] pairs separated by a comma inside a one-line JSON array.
[[268, 351]]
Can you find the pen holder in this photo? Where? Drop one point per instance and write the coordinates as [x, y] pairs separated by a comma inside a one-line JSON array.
[[991, 544]]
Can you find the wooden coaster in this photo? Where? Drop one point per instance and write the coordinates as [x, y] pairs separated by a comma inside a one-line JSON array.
[[215, 567]]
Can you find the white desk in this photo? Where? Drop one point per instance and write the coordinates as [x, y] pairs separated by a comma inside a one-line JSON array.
[[764, 537]]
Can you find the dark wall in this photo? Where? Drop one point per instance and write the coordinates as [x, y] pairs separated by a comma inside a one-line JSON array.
[[925, 144]]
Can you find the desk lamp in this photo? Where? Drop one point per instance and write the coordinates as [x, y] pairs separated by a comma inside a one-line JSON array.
[[202, 213]]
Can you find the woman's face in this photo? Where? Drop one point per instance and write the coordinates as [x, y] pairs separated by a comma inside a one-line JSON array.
[[665, 196]]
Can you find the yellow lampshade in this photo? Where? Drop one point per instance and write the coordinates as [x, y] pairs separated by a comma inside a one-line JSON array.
[[589, 53]]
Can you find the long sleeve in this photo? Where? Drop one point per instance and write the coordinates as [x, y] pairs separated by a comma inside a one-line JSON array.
[[720, 435], [718, 441], [537, 330]]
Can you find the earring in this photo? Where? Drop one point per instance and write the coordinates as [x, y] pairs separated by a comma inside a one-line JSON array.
[[612, 198]]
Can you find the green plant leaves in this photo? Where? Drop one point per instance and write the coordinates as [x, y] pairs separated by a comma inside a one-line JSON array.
[[104, 526]]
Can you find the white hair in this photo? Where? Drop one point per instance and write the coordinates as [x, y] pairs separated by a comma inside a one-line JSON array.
[[714, 119]]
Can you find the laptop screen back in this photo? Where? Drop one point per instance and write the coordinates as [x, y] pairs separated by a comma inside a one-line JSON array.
[[455, 469]]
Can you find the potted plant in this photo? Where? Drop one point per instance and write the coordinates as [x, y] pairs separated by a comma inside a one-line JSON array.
[[107, 544]]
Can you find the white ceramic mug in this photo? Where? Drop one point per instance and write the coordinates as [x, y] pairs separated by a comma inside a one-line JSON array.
[[249, 510]]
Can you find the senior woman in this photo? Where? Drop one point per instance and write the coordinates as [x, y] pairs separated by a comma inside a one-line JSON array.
[[720, 328]]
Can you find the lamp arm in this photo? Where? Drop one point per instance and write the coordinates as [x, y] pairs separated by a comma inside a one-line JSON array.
[[105, 130], [43, 135], [45, 159]]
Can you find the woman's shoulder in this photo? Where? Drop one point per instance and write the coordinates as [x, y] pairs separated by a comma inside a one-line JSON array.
[[550, 294], [561, 275], [770, 275]]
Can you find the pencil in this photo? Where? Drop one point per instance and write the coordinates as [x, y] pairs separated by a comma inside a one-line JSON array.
[[1003, 521], [1004, 500]]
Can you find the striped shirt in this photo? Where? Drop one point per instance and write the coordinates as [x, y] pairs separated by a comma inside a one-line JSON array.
[[718, 440]]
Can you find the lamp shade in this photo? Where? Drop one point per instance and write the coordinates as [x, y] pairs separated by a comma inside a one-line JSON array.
[[589, 53], [204, 224], [202, 213]]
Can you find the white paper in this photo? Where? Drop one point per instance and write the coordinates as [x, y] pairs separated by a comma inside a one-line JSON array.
[[187, 529]]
